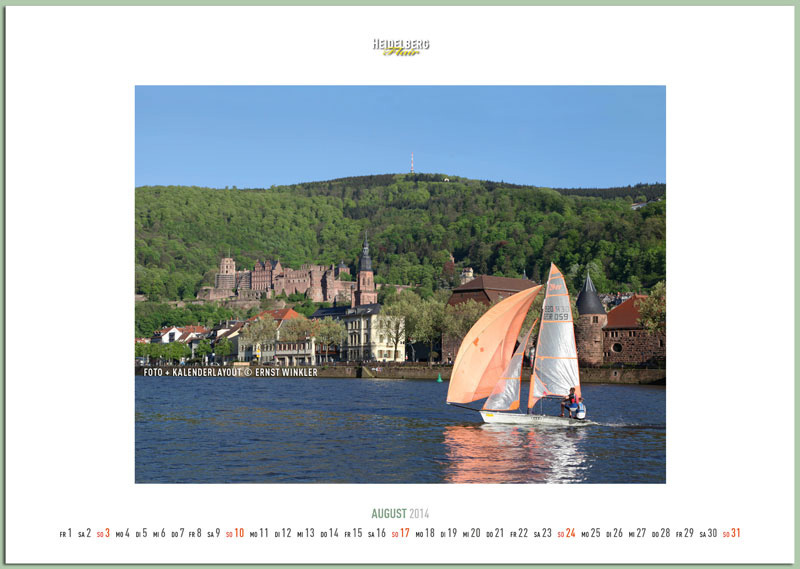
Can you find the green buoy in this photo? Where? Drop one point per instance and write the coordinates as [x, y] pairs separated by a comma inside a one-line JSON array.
[[439, 379]]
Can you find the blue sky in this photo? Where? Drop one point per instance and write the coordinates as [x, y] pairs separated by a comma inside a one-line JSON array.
[[256, 137]]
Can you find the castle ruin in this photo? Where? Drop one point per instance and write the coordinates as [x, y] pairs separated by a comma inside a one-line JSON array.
[[320, 283]]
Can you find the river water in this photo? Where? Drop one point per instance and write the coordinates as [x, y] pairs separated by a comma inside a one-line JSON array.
[[319, 430]]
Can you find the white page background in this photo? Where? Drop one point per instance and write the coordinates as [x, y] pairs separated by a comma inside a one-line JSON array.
[[70, 77]]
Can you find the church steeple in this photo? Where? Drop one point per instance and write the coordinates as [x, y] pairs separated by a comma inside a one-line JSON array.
[[365, 263], [365, 292]]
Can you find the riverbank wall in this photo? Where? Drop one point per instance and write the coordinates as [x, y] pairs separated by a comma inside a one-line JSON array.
[[632, 376], [624, 375], [588, 375]]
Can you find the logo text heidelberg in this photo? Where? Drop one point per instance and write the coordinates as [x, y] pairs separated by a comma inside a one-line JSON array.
[[401, 47]]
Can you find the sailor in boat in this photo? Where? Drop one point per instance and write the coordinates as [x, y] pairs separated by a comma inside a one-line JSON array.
[[581, 412], [570, 402]]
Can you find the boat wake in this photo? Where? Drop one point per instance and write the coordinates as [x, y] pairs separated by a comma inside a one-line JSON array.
[[632, 425]]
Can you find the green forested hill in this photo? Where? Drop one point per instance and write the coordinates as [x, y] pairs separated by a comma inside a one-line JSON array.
[[414, 223]]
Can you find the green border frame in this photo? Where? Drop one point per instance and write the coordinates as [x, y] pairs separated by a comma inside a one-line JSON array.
[[4, 3]]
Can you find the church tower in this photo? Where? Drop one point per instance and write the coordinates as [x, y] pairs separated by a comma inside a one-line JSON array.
[[365, 292], [590, 324]]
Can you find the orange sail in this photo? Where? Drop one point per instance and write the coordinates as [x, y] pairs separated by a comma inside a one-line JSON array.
[[487, 348], [555, 366], [505, 395]]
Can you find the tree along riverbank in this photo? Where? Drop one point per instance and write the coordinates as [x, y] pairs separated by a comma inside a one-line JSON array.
[[379, 371]]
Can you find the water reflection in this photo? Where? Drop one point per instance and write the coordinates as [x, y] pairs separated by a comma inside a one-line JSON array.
[[513, 453], [293, 430]]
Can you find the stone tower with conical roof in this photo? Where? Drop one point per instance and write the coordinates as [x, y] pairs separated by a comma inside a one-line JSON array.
[[365, 292], [589, 327]]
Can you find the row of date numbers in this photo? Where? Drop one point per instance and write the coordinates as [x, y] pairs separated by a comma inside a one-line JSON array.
[[447, 533]]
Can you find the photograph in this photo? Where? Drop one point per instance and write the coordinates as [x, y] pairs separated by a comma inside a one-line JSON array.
[[336, 286]]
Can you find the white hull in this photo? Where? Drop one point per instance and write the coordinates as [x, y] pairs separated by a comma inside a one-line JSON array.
[[523, 419]]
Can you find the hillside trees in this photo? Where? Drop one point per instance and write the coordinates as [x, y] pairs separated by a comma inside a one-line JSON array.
[[653, 309], [152, 316], [414, 223]]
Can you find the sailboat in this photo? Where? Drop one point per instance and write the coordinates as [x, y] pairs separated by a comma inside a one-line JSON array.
[[488, 366]]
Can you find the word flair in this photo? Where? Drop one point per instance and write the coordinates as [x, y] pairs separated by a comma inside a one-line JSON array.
[[401, 47]]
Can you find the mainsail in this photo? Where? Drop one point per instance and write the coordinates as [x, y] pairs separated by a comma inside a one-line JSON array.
[[488, 347], [505, 395], [555, 367]]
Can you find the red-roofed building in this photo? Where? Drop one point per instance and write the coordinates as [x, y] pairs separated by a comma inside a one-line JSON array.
[[285, 353], [195, 329], [625, 341], [279, 315], [487, 289], [626, 315]]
